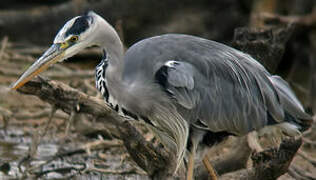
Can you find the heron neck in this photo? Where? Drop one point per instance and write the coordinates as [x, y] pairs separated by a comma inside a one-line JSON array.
[[115, 54], [108, 39]]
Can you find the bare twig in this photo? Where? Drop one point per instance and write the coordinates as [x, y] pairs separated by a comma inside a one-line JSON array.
[[300, 174], [309, 142], [310, 130], [307, 157], [50, 117], [3, 46], [101, 144], [26, 161], [6, 114], [132, 170], [70, 121], [38, 115], [308, 20], [36, 139]]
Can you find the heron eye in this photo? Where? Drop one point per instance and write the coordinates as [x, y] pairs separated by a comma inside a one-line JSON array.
[[74, 38]]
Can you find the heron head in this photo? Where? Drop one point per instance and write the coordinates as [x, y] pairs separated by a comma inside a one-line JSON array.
[[78, 33]]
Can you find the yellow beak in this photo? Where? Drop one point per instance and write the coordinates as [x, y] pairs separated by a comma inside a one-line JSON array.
[[51, 56]]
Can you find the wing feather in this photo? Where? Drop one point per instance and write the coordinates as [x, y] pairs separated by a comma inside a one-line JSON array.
[[177, 78]]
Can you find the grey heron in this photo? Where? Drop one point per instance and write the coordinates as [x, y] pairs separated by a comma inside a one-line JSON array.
[[188, 90]]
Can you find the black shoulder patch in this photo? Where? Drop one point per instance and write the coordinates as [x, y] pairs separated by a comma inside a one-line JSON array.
[[161, 77], [80, 25]]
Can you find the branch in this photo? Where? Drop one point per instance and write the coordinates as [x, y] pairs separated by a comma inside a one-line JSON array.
[[236, 159], [269, 164], [308, 20], [157, 162]]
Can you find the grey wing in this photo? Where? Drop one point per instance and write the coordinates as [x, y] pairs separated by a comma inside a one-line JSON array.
[[177, 79], [180, 74], [230, 99]]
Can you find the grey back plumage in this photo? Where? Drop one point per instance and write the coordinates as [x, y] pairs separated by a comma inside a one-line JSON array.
[[211, 82]]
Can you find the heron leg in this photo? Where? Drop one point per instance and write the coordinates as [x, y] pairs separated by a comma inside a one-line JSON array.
[[191, 163], [209, 167]]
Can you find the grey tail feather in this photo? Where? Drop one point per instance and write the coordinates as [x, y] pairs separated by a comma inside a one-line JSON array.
[[301, 124], [294, 111]]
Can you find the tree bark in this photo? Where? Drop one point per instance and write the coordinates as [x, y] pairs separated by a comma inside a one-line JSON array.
[[269, 164]]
